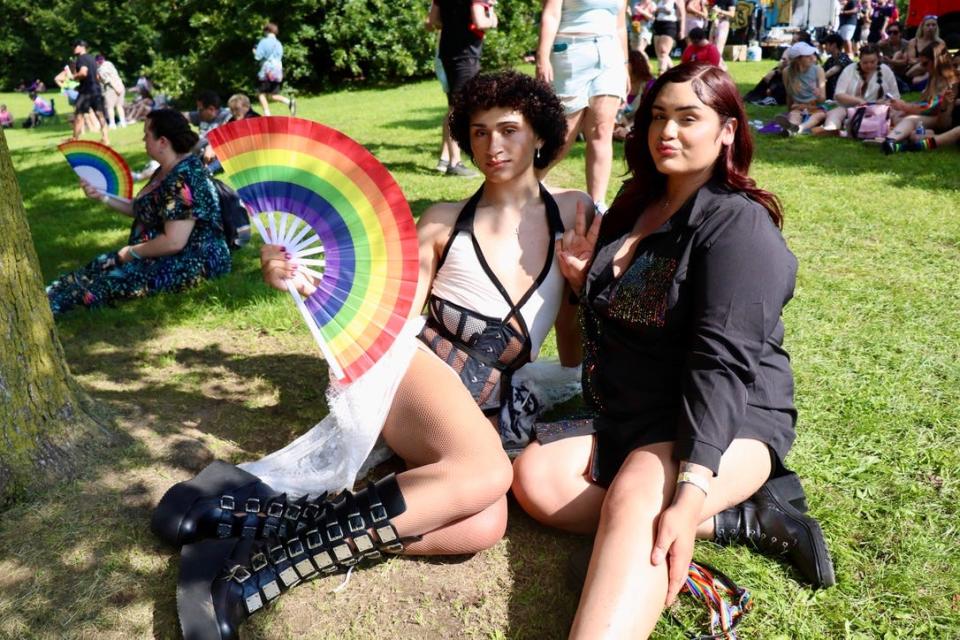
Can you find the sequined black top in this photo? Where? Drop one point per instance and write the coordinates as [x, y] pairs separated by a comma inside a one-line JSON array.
[[686, 345]]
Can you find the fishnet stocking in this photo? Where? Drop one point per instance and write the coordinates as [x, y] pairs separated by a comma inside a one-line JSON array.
[[458, 473]]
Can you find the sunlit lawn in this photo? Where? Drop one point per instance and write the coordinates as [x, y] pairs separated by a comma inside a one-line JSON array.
[[873, 333]]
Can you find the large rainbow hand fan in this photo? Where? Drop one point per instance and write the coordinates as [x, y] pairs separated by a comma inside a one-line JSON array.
[[342, 216], [99, 165]]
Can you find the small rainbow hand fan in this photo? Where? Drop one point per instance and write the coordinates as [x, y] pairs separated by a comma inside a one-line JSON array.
[[99, 165], [342, 216]]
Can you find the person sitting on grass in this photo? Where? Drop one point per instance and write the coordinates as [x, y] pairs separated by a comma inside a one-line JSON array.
[[928, 140], [6, 118], [142, 104], [837, 61], [641, 79], [176, 240], [769, 91], [861, 83], [491, 282], [806, 90], [700, 49], [893, 51], [239, 105], [41, 109], [935, 109], [208, 116], [682, 286], [928, 34]]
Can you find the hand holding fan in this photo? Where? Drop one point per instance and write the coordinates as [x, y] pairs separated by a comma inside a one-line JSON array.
[[99, 165], [343, 218]]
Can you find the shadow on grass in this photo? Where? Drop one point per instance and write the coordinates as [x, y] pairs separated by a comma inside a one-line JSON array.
[[543, 596], [85, 554]]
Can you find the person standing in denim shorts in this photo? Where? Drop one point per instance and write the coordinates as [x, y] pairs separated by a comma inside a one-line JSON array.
[[583, 54]]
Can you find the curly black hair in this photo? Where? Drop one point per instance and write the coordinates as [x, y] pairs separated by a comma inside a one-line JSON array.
[[531, 97]]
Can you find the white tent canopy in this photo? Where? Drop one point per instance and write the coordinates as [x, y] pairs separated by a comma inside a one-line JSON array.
[[808, 14]]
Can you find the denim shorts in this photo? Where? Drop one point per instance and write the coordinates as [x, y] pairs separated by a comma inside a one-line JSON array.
[[587, 66]]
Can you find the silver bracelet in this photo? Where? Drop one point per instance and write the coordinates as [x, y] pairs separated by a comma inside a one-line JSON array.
[[136, 256], [696, 480]]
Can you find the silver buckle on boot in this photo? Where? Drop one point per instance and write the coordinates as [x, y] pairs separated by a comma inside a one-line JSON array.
[[389, 538]]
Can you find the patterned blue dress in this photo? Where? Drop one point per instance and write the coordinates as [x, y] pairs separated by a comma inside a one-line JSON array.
[[185, 193]]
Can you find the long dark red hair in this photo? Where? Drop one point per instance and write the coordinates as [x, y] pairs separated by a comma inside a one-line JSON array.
[[646, 184]]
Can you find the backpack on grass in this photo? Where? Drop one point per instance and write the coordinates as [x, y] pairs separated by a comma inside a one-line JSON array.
[[233, 215], [868, 121]]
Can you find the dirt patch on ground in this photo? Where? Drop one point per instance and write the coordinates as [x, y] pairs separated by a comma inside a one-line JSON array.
[[83, 563]]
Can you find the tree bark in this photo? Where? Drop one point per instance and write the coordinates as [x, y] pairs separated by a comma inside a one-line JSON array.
[[47, 424]]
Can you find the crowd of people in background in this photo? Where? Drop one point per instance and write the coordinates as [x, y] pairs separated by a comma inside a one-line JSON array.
[[829, 94], [596, 55]]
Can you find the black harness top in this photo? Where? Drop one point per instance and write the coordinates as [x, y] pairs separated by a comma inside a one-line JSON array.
[[484, 350]]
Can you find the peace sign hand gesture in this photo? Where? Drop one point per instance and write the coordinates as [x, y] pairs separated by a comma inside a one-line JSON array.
[[575, 248]]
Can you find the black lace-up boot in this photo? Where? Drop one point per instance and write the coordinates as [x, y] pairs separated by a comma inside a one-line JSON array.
[[223, 582], [222, 501], [771, 522]]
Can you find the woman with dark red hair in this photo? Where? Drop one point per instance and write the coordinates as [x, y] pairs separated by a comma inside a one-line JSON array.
[[682, 288]]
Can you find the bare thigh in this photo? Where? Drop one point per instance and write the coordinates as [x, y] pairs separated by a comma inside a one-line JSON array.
[[435, 418], [552, 483], [456, 464]]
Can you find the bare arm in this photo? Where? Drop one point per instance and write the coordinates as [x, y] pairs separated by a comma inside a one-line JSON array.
[[821, 85], [681, 16], [483, 16], [81, 73], [549, 23], [624, 43], [433, 232], [434, 23], [644, 12], [122, 205], [569, 346], [170, 242], [695, 8]]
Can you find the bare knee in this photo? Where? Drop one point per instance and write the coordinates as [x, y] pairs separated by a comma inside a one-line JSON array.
[[534, 484], [631, 502], [600, 133], [487, 527], [481, 482]]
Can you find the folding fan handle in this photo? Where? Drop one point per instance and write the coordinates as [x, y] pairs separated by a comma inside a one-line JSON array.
[[268, 238], [315, 330]]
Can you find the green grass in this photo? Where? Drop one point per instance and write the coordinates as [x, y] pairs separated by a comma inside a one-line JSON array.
[[227, 369]]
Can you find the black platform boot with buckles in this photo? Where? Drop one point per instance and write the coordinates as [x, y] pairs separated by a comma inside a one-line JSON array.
[[223, 582], [222, 501], [769, 522]]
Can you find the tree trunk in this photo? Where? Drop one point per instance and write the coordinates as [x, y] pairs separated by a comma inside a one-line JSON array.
[[47, 427]]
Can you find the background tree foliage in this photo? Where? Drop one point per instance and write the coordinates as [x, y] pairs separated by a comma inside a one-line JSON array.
[[187, 45]]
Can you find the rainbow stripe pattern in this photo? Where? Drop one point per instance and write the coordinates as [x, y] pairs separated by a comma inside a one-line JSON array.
[[99, 165], [349, 210]]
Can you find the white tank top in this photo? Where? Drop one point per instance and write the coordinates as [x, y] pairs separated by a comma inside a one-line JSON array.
[[589, 16], [462, 280], [666, 11]]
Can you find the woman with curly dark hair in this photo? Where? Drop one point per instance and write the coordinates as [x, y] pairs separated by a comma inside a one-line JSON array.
[[682, 288], [491, 283]]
